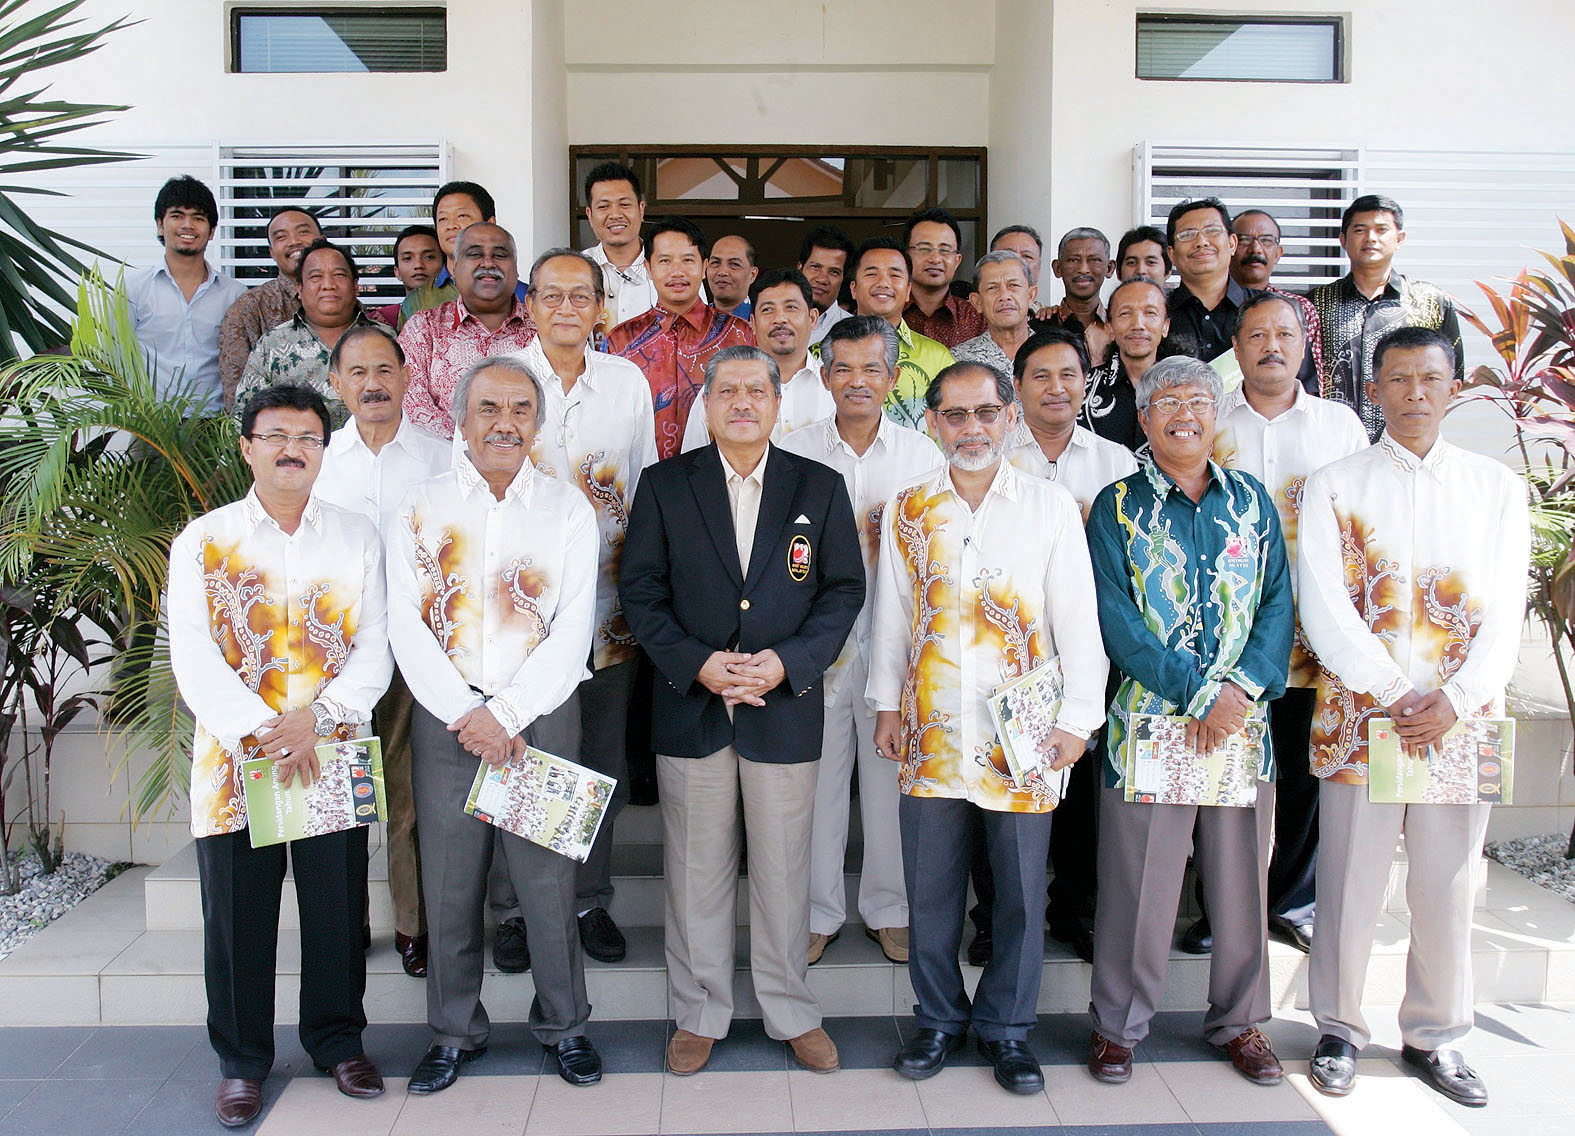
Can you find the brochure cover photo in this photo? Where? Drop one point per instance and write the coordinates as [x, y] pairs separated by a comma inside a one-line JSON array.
[[548, 800], [349, 791], [1162, 769], [1474, 764]]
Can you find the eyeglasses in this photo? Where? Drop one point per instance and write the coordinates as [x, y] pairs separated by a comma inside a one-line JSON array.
[[931, 250], [986, 415], [554, 299], [1267, 242], [1212, 232], [1198, 404], [280, 441]]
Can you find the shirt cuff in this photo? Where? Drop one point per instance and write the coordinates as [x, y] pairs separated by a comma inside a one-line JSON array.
[[1459, 700], [512, 720]]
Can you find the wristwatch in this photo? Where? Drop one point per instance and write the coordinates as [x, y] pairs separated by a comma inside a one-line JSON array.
[[324, 719]]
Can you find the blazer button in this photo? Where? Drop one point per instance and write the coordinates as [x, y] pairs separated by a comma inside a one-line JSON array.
[[743, 605]]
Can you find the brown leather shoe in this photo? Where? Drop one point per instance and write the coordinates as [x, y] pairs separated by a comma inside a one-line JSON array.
[[1250, 1052], [412, 953], [818, 944], [356, 1077], [688, 1052], [815, 1051], [239, 1101], [1109, 1062], [893, 942]]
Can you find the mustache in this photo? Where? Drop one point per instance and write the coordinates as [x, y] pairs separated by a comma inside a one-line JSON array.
[[488, 274], [1255, 258], [296, 463], [1272, 357], [499, 439], [372, 396]]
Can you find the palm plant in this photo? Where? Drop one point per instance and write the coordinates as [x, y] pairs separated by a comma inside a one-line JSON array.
[[35, 262], [1534, 335], [98, 474]]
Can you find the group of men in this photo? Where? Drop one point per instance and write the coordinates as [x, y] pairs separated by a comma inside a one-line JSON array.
[[830, 533]]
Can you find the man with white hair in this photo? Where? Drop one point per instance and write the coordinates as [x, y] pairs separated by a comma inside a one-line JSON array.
[[1168, 543], [1004, 294], [492, 598]]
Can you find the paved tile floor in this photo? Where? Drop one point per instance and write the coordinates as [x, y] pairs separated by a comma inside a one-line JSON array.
[[62, 1081]]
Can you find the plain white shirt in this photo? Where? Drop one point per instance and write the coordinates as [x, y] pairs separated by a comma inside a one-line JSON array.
[[629, 291], [1087, 465], [805, 399], [355, 478]]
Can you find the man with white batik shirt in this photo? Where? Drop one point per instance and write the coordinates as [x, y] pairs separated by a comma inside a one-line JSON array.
[[492, 601], [599, 434], [1273, 429], [782, 316], [371, 462], [983, 576], [1413, 560], [875, 457], [1051, 375], [278, 642]]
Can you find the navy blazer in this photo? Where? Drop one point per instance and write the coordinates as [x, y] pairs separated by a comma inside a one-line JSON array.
[[685, 597]]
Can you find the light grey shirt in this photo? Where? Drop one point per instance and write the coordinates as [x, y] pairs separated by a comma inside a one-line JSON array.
[[181, 337]]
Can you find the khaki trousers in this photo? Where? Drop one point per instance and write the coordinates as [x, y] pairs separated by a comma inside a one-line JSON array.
[[391, 718], [702, 841], [1356, 845]]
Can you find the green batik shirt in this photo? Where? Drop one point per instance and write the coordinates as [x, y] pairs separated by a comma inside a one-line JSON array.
[[1191, 596], [292, 353], [919, 359]]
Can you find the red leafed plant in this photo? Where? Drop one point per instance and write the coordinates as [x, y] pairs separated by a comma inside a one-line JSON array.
[[1534, 335]]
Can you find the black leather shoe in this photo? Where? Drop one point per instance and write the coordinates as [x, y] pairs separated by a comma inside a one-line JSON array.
[[1446, 1070], [1198, 939], [926, 1053], [1333, 1066], [412, 953], [982, 947], [510, 950], [440, 1068], [1016, 1069], [1072, 932], [1298, 935], [578, 1061], [600, 936]]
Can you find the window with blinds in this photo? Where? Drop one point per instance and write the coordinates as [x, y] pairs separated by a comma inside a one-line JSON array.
[[1278, 49], [296, 39]]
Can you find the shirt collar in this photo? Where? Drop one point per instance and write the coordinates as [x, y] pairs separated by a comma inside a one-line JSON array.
[[470, 478], [348, 438], [1235, 295], [534, 356], [257, 516], [1237, 400], [699, 316], [1004, 484], [1394, 289], [757, 475], [834, 440], [285, 284], [1407, 460], [163, 267], [462, 313], [1163, 484], [905, 333]]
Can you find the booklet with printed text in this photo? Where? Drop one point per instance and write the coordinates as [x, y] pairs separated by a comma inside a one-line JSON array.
[[348, 792]]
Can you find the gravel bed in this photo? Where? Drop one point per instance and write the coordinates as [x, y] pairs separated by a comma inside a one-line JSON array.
[[43, 899], [1541, 860]]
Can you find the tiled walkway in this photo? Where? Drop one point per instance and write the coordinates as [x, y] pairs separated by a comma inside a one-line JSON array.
[[62, 1081]]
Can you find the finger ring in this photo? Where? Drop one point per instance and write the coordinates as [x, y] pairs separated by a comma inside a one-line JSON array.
[[284, 753]]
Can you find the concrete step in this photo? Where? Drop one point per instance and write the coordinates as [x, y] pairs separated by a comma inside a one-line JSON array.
[[101, 964]]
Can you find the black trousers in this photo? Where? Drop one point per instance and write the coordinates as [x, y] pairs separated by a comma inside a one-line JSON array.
[[1073, 842], [241, 888], [1295, 858]]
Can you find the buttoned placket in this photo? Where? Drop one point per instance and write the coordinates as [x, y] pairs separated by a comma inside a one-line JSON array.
[[971, 564]]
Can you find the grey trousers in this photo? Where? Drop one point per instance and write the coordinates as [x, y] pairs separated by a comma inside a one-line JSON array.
[[1443, 855], [1142, 855], [702, 841], [936, 845], [455, 850], [392, 720], [604, 718]]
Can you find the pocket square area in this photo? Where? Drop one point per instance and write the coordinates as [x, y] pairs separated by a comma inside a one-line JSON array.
[[802, 520]]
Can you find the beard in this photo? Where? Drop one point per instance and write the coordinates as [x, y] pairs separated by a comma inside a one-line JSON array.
[[971, 463]]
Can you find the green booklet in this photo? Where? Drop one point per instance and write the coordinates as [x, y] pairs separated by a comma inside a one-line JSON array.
[[548, 800], [348, 792], [1474, 764], [1162, 769]]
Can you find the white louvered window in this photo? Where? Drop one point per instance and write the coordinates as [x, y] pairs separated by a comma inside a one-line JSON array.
[[1281, 49], [281, 38]]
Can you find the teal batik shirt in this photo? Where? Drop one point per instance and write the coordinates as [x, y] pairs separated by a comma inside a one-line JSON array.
[[1191, 596]]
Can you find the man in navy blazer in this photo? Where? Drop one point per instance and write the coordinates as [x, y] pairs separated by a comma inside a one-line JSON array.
[[741, 578]]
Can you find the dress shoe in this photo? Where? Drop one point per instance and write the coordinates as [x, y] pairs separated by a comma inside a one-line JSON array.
[[818, 944], [688, 1052], [982, 947], [1333, 1066], [1298, 935], [440, 1068], [893, 942], [1446, 1070], [1016, 1068], [239, 1101], [1109, 1062], [926, 1052], [1074, 933], [510, 950], [600, 936], [578, 1061], [412, 953], [815, 1051], [1198, 939], [1254, 1057], [356, 1077]]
